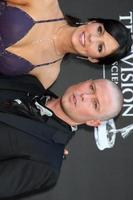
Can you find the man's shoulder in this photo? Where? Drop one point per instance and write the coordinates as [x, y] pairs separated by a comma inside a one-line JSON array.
[[21, 83]]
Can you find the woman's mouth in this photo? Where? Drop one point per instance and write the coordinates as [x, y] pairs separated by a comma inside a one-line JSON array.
[[82, 39]]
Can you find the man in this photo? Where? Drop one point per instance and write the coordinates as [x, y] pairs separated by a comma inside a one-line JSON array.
[[35, 126]]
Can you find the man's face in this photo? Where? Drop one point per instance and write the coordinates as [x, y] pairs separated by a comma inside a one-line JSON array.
[[89, 100]]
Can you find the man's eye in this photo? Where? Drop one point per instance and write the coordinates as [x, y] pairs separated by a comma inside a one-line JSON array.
[[100, 48], [99, 29], [92, 88]]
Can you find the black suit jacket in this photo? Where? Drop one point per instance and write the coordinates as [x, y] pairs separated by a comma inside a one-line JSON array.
[[31, 152]]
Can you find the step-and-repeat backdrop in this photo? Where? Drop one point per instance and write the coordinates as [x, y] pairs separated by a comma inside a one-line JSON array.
[[100, 161]]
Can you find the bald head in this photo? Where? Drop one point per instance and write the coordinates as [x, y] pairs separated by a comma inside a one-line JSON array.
[[92, 100], [115, 100]]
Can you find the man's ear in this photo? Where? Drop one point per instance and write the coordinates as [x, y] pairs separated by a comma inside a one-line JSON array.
[[93, 60], [94, 123]]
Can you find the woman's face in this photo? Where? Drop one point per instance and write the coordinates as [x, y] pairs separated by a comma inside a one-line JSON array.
[[93, 41]]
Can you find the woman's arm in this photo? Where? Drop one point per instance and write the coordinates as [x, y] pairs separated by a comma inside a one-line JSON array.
[[23, 2], [19, 2]]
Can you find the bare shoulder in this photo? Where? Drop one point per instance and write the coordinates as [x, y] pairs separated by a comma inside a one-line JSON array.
[[34, 2], [46, 8], [19, 2], [47, 75], [44, 3]]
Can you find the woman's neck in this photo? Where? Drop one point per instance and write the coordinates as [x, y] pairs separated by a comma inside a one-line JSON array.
[[63, 39]]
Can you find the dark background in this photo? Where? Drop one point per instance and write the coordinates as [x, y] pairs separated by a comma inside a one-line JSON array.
[[88, 173]]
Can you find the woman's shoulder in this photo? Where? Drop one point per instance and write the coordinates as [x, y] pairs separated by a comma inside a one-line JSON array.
[[47, 75], [45, 8], [43, 3], [33, 2]]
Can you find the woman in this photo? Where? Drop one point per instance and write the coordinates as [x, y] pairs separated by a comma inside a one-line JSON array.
[[35, 36]]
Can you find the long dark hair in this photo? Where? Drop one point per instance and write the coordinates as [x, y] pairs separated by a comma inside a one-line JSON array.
[[117, 30]]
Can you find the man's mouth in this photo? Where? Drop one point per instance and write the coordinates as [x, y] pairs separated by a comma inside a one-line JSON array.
[[82, 39]]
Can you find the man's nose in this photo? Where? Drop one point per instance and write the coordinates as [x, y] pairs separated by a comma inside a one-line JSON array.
[[87, 95]]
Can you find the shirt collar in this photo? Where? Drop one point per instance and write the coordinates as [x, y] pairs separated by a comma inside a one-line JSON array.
[[45, 111]]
